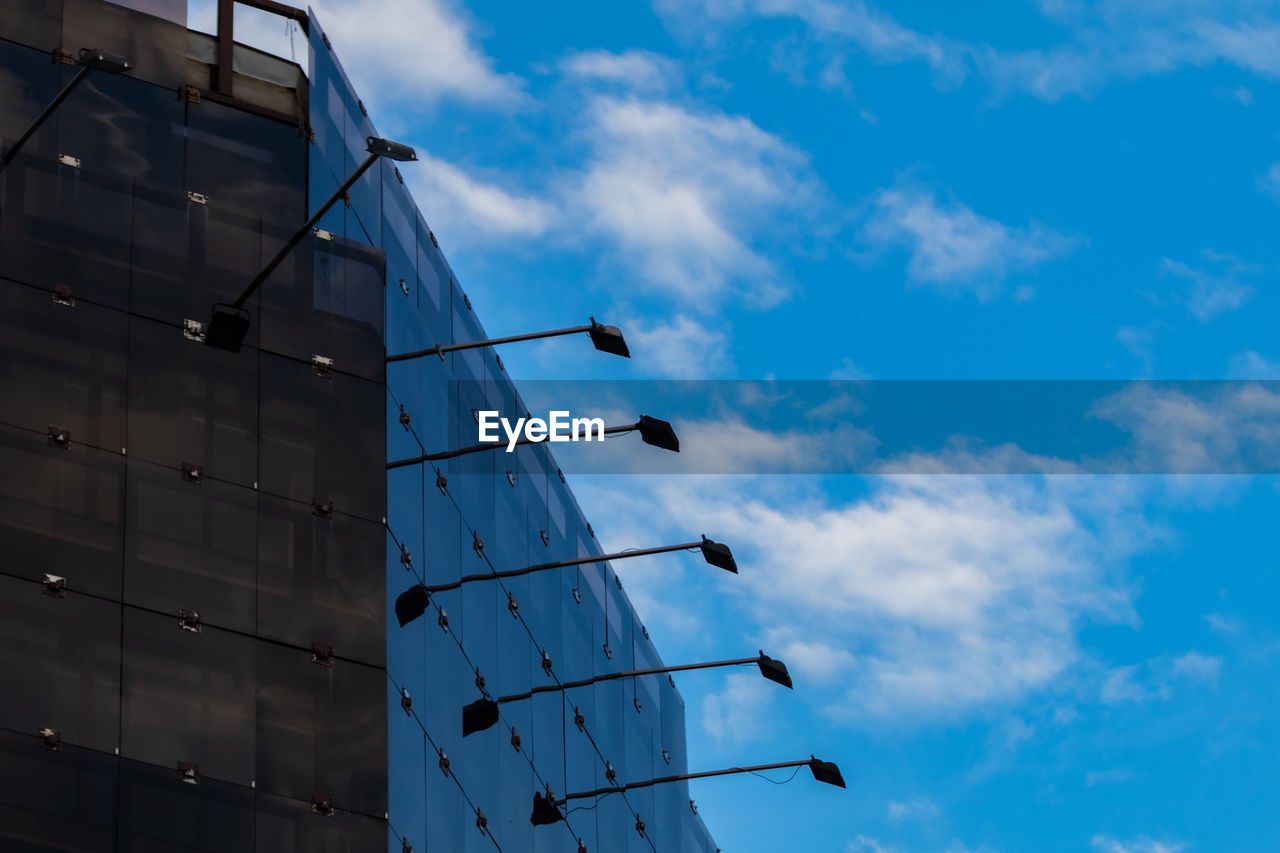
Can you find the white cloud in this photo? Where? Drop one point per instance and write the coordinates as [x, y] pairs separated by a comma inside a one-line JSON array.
[[1157, 678], [1107, 844], [681, 194], [954, 248], [915, 807], [736, 714], [681, 348], [947, 593], [637, 70], [414, 52], [1270, 182], [1251, 365], [1214, 290], [466, 210]]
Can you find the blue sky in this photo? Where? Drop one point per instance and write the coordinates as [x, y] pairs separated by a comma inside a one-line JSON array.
[[805, 189]]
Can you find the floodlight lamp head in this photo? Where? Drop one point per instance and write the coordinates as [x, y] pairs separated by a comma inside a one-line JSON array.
[[826, 771], [411, 604], [391, 150], [608, 339], [718, 555], [774, 670], [544, 811], [103, 60], [228, 327], [479, 715], [658, 433]]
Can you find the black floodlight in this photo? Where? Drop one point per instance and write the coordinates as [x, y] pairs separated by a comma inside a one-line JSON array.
[[545, 811], [606, 339], [718, 555], [479, 715], [412, 603], [103, 60], [658, 433], [774, 670], [826, 771], [227, 328], [232, 327], [483, 713], [91, 59]]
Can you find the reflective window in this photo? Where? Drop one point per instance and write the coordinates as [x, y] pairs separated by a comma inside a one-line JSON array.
[[60, 511], [290, 826], [119, 124], [321, 580], [193, 404], [36, 812], [158, 813], [321, 730], [28, 81], [60, 664], [188, 697], [155, 44], [191, 546], [63, 365], [321, 437]]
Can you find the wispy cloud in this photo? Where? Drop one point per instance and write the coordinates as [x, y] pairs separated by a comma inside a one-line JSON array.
[[1107, 844], [913, 808], [1157, 678], [735, 714], [1215, 288], [681, 348], [466, 210], [436, 58], [955, 249], [636, 70]]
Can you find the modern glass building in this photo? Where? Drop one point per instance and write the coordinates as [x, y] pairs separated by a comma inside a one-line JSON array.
[[200, 549]]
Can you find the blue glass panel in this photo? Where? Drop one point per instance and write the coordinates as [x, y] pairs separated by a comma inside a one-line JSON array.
[[406, 772]]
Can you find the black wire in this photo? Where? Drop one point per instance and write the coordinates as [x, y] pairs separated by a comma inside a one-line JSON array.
[[775, 781]]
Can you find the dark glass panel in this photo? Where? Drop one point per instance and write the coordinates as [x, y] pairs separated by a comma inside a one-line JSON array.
[[289, 826], [322, 437], [239, 160], [62, 800], [60, 664], [36, 23], [321, 730], [189, 403], [62, 365], [155, 44], [188, 696], [159, 814], [28, 80], [69, 226], [191, 545], [328, 301], [441, 711], [60, 512], [552, 724], [120, 125], [321, 580]]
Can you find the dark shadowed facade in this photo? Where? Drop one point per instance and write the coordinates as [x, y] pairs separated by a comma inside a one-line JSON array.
[[200, 549]]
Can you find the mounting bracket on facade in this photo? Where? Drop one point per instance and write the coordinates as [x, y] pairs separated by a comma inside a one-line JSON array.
[[189, 772], [59, 437], [322, 653], [54, 586], [322, 806], [189, 620], [63, 295], [193, 330], [193, 473]]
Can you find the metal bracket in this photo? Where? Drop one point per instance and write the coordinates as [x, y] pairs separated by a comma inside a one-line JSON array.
[[546, 662], [513, 605], [193, 330], [467, 300], [442, 619], [577, 595], [666, 756], [640, 826], [579, 720], [189, 620], [322, 806], [404, 287], [444, 762], [54, 586], [189, 772], [635, 700], [322, 234], [480, 681], [322, 509], [191, 93], [198, 198], [546, 539], [64, 295], [59, 437], [68, 160], [477, 544], [321, 366], [442, 482], [51, 739], [404, 418], [610, 774], [406, 559], [560, 474], [515, 739], [608, 652], [406, 701], [322, 654], [511, 478], [192, 473], [591, 530], [64, 56], [498, 359], [693, 807], [434, 241]]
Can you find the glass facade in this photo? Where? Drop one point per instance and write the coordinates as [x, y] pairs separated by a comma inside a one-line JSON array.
[[199, 549]]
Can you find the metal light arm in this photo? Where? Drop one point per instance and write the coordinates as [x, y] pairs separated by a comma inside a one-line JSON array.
[[612, 676]]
